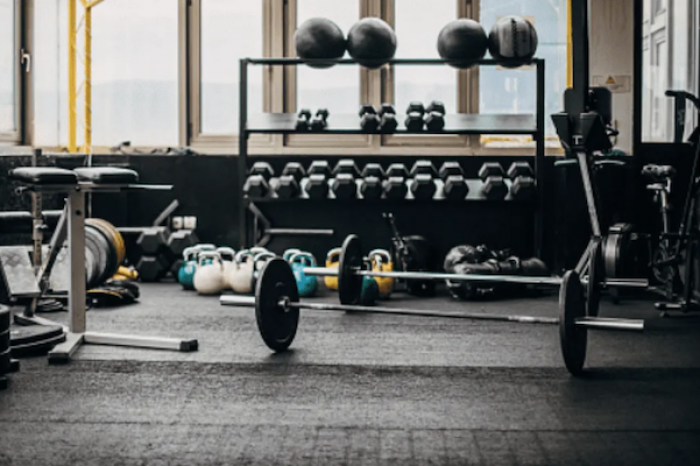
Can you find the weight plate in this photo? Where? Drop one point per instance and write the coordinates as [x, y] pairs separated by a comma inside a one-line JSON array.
[[91, 265], [98, 243], [5, 318], [349, 282], [573, 338], [5, 360], [277, 326], [38, 346], [595, 276], [49, 305], [26, 335], [4, 340], [611, 255], [116, 238], [112, 263]]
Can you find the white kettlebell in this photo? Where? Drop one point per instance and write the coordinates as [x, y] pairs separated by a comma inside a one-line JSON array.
[[228, 255], [258, 263], [240, 276], [209, 278]]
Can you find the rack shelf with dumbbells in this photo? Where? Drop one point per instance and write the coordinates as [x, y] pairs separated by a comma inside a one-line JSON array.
[[455, 124]]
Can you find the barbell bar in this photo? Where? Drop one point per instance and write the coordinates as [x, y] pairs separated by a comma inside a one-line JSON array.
[[277, 309]]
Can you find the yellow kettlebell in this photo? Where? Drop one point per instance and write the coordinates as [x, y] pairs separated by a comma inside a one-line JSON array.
[[332, 260], [381, 262]]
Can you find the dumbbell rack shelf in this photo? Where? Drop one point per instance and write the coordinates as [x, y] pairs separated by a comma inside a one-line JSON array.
[[460, 124]]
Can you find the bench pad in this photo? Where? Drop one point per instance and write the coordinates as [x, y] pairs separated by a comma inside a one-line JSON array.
[[44, 176], [107, 175]]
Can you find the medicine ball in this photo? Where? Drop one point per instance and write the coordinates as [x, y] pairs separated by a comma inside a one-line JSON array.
[[319, 38], [513, 41], [462, 42], [371, 42]]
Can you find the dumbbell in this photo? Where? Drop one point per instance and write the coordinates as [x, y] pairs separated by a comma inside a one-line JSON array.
[[343, 186], [435, 116], [179, 240], [320, 121], [414, 117], [448, 169], [315, 186], [373, 170], [455, 186], [371, 187], [346, 166], [369, 119], [285, 187], [494, 186], [257, 183], [263, 169], [152, 268], [395, 184], [397, 170], [387, 119], [319, 167], [523, 186], [423, 175], [303, 120]]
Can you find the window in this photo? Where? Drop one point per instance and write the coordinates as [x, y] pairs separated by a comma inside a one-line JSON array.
[[669, 62], [221, 46], [515, 91], [417, 38], [336, 88], [8, 68]]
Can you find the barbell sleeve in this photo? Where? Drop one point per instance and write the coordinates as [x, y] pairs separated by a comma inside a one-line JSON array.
[[231, 300], [602, 323]]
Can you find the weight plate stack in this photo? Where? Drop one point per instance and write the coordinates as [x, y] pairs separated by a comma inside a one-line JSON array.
[[115, 237], [572, 306], [113, 260], [98, 244], [35, 339]]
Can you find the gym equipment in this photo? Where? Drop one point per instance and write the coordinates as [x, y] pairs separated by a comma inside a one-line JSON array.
[[435, 116], [462, 43], [369, 119], [34, 340], [414, 117], [75, 185], [332, 261], [387, 116], [494, 186], [397, 170], [277, 308], [21, 222], [450, 169], [263, 230], [263, 169], [259, 261], [518, 169], [315, 187], [285, 187], [152, 268], [179, 240], [411, 253], [372, 42], [373, 169], [343, 186], [303, 120], [152, 240], [319, 167], [380, 261], [423, 187], [318, 39], [241, 276], [185, 275], [209, 278], [256, 186], [307, 285], [289, 253], [369, 291], [346, 166], [395, 188], [320, 120], [513, 41], [371, 188], [455, 188], [523, 188], [423, 167], [295, 170], [228, 255], [490, 169]]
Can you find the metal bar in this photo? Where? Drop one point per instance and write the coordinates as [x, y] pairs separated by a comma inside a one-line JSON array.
[[539, 160], [72, 96], [348, 61], [87, 89], [299, 231], [136, 230], [242, 150], [590, 192], [599, 323], [626, 283], [63, 352], [580, 56], [76, 248], [133, 341], [167, 212]]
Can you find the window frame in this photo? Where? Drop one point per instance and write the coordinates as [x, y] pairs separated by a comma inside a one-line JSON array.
[[15, 137]]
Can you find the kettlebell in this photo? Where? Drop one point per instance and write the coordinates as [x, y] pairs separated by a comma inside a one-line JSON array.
[[380, 260], [255, 250], [332, 259], [259, 262], [227, 256], [289, 253], [186, 273], [306, 284], [239, 278], [209, 278]]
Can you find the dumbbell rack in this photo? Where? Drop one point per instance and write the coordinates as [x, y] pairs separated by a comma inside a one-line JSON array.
[[459, 124]]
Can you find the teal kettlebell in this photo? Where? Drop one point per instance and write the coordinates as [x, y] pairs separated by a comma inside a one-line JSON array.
[[370, 291], [185, 275], [306, 284], [289, 253]]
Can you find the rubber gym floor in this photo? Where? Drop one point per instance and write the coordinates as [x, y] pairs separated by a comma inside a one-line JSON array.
[[359, 389]]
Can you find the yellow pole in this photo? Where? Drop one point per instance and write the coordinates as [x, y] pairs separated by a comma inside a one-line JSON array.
[[87, 147], [569, 48], [72, 97]]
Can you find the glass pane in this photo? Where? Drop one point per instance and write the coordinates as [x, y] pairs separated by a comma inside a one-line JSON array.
[[230, 30], [418, 23], [669, 62], [336, 88], [8, 67], [515, 91], [134, 72]]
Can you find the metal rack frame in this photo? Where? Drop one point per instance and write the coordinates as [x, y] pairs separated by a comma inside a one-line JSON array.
[[279, 124]]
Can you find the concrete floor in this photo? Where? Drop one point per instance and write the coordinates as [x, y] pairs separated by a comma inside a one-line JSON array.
[[359, 389]]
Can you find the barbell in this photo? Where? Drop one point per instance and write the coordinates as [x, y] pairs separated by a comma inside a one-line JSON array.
[[277, 309]]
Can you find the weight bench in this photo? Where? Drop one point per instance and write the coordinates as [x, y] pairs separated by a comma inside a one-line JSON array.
[[76, 184]]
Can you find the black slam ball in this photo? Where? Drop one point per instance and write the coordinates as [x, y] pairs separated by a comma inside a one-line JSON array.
[[319, 38], [513, 41], [371, 42], [462, 42]]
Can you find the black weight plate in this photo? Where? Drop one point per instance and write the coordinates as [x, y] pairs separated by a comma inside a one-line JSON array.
[[5, 360], [105, 255], [277, 326], [112, 256], [34, 339], [97, 244], [612, 248], [349, 282], [573, 338], [5, 318], [4, 340], [595, 276], [49, 305]]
